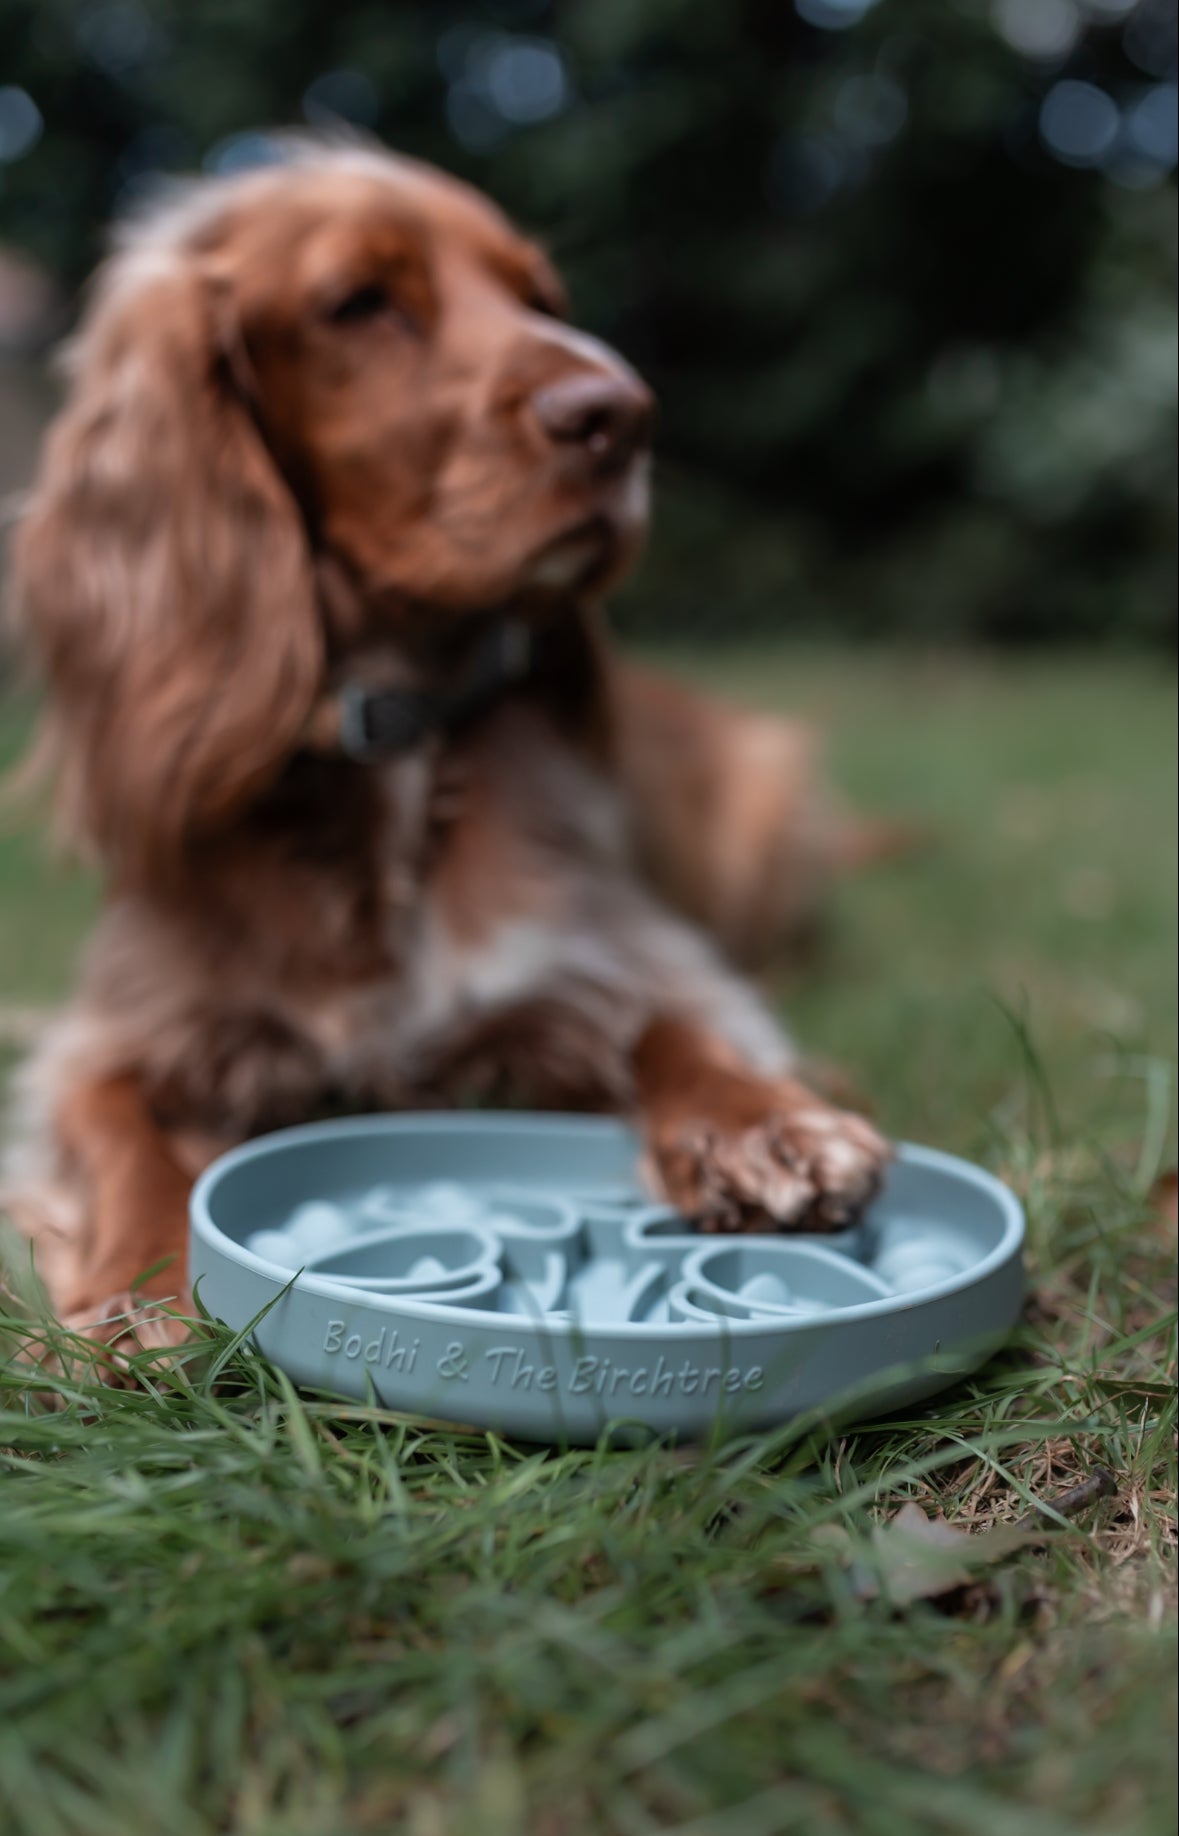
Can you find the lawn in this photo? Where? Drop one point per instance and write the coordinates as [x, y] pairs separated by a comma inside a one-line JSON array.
[[226, 1608]]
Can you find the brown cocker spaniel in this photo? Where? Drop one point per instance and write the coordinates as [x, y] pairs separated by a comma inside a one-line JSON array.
[[310, 573]]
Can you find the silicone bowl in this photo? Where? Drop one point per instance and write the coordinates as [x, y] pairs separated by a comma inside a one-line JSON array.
[[572, 1301]]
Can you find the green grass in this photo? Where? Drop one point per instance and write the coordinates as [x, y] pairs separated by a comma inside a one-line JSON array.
[[224, 1608]]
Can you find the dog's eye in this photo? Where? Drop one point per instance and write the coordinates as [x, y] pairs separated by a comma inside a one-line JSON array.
[[362, 303]]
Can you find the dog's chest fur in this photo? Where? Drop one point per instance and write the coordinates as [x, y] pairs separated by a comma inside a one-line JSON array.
[[365, 925]]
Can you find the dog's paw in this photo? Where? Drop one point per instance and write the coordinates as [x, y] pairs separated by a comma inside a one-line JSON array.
[[126, 1323], [766, 1156]]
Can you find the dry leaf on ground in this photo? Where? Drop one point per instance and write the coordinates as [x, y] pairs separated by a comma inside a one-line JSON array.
[[917, 1557]]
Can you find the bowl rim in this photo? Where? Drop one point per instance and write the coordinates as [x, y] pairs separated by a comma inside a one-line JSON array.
[[306, 1281]]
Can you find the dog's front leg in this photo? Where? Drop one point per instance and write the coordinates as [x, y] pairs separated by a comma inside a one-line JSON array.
[[131, 1247], [742, 1151]]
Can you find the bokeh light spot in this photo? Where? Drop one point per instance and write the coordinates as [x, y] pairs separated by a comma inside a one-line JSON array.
[[525, 79], [833, 15], [1152, 126], [243, 152], [870, 110], [117, 37], [21, 125], [1043, 30], [805, 173], [1079, 123], [1151, 38], [471, 118]]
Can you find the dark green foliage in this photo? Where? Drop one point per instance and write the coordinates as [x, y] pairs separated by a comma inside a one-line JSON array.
[[916, 373]]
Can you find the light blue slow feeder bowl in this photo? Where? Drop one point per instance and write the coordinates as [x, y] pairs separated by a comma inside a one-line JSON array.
[[568, 1300]]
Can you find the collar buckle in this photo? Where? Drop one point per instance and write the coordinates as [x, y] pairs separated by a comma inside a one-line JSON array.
[[376, 724]]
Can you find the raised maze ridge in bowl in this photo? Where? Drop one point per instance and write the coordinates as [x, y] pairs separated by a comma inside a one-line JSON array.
[[599, 1260]]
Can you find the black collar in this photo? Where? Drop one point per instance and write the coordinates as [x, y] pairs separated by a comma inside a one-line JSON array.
[[371, 725]]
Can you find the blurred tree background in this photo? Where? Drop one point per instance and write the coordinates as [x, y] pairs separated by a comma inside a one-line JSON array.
[[902, 271]]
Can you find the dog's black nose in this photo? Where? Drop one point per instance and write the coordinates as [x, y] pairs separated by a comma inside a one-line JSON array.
[[607, 416]]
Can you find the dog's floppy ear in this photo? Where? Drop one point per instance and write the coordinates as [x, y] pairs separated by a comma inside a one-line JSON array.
[[163, 579]]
